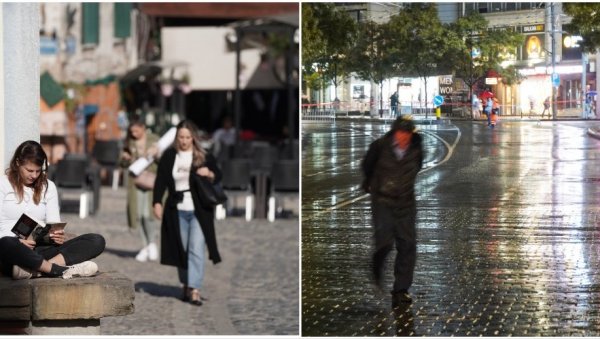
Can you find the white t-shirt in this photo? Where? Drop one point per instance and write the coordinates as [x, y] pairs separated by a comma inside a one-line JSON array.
[[181, 175], [10, 210]]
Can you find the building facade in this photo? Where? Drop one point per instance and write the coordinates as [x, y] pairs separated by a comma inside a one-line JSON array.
[[542, 26]]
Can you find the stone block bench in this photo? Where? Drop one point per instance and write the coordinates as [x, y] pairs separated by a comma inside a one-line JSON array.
[[54, 306]]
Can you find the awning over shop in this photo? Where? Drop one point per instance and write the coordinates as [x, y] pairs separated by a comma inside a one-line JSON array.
[[50, 91]]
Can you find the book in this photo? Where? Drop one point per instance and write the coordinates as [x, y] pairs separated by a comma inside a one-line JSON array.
[[27, 227]]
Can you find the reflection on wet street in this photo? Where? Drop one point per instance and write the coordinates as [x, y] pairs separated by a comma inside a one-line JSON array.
[[508, 233]]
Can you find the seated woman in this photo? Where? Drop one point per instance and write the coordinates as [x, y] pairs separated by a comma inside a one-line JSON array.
[[26, 188]]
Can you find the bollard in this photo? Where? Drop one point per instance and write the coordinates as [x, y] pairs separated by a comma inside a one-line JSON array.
[[438, 113], [249, 207]]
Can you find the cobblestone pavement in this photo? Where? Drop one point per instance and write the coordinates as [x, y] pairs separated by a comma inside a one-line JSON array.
[[508, 233], [253, 291]]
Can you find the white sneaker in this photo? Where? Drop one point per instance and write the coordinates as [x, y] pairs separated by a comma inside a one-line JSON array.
[[19, 273], [152, 252], [84, 269], [142, 255]]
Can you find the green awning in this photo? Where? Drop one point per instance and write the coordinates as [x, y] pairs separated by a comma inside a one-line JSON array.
[[50, 91]]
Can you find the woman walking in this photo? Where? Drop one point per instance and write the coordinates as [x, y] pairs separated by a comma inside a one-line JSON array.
[[187, 226], [140, 143]]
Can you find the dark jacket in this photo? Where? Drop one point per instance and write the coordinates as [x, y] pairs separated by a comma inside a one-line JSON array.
[[172, 252], [390, 180]]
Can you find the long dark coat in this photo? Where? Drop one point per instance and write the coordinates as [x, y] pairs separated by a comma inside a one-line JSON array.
[[172, 252]]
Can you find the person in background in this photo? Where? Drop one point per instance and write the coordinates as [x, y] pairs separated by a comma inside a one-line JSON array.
[[546, 108], [224, 137], [390, 170], [476, 103], [488, 110], [394, 105], [141, 143], [26, 189], [187, 227]]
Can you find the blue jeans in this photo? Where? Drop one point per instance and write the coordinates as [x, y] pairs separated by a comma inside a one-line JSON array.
[[193, 243]]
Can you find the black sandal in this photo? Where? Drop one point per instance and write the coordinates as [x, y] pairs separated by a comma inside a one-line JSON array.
[[195, 298]]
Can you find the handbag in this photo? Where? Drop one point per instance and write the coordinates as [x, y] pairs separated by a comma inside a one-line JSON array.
[[209, 194], [145, 180]]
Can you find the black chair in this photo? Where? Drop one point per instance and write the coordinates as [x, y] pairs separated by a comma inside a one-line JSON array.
[[76, 173], [106, 153], [285, 183], [289, 150], [236, 182]]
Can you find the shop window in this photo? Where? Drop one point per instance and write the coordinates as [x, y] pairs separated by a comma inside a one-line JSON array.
[[496, 6], [90, 23], [122, 17], [511, 6]]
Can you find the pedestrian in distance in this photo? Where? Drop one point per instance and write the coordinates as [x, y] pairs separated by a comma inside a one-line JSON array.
[[476, 107], [546, 108], [488, 110], [26, 189], [187, 226], [141, 143], [394, 105], [224, 137], [390, 169]]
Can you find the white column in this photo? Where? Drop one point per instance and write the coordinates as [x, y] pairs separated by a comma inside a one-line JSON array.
[[20, 82]]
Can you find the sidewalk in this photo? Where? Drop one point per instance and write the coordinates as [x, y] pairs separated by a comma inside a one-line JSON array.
[[253, 291]]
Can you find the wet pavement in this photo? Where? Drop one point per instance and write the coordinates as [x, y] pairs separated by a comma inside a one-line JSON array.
[[253, 291], [507, 226]]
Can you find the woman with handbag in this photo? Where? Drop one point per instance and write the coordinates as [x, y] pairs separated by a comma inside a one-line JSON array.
[[187, 224], [141, 143]]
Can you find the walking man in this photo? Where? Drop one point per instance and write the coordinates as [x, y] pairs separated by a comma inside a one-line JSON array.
[[394, 104], [546, 108], [390, 170]]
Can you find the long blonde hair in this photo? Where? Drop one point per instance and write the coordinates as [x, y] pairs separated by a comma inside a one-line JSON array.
[[29, 151], [198, 153]]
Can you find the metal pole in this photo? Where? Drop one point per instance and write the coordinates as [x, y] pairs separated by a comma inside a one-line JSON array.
[[552, 32], [290, 91], [583, 85], [237, 99]]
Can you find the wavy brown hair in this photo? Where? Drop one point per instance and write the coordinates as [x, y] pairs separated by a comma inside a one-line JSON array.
[[198, 153], [29, 151]]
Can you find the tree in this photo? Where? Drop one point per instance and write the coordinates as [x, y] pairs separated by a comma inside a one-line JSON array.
[[477, 50], [420, 41], [585, 22], [371, 58], [327, 35]]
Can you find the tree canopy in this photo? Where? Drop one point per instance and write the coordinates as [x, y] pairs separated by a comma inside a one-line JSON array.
[[585, 22]]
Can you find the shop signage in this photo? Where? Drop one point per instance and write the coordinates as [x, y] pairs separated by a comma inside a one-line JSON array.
[[571, 49], [446, 84]]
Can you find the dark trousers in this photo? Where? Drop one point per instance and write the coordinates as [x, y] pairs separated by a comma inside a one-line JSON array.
[[396, 226], [75, 251]]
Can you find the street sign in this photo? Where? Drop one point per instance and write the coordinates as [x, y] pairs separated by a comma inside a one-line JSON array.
[[438, 100], [555, 80]]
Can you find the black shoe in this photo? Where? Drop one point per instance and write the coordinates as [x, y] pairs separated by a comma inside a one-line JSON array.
[[195, 298], [401, 297]]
